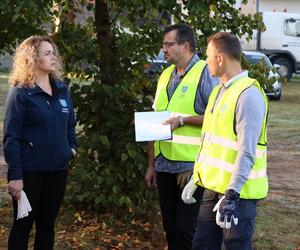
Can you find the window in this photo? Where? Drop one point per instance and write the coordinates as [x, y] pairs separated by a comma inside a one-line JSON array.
[[292, 27]]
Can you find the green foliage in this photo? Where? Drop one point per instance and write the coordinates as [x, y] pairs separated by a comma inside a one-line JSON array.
[[20, 19], [260, 72], [109, 171], [211, 16]]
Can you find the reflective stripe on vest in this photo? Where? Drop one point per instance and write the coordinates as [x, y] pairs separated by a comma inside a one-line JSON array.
[[227, 143], [225, 166], [185, 140], [219, 148], [181, 139]]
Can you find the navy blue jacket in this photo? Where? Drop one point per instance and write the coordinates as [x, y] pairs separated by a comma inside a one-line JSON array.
[[39, 129]]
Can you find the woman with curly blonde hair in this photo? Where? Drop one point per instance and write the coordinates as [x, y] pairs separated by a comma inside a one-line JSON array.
[[25, 58], [39, 140]]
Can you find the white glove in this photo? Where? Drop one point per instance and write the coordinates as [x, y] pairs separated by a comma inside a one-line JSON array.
[[23, 206], [188, 191], [216, 209], [224, 221]]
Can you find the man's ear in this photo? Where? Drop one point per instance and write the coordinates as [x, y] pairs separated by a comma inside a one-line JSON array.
[[186, 46], [220, 59]]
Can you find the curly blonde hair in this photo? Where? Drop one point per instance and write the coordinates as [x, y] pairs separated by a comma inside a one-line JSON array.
[[25, 62]]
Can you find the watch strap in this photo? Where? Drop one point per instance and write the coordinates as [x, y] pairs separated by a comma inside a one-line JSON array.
[[181, 121]]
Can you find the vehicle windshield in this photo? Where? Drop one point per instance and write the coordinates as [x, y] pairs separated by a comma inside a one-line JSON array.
[[254, 59]]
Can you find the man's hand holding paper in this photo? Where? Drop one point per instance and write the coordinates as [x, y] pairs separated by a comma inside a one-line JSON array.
[[150, 126]]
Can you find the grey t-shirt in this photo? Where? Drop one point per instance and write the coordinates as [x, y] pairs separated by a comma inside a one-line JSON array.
[[206, 84]]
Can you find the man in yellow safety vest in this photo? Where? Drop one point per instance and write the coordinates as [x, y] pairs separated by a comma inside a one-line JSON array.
[[183, 89], [232, 160]]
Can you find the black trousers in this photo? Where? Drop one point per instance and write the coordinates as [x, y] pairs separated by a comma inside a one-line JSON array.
[[45, 191], [179, 219], [209, 236]]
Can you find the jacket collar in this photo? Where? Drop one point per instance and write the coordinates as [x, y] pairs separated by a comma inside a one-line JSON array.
[[57, 87]]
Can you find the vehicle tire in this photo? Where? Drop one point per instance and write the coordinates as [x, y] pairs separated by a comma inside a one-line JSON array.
[[285, 69]]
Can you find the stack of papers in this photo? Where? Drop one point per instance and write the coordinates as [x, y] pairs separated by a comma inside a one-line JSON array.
[[149, 126]]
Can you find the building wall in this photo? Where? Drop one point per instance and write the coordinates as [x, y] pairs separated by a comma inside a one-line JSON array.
[[249, 8], [292, 6]]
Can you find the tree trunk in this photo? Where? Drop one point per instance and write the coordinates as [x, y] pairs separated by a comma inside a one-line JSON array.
[[105, 42]]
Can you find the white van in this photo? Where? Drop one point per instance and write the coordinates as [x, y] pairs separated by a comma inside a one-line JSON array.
[[280, 42]]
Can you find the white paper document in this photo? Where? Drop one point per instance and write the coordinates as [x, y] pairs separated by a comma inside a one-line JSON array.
[[149, 127]]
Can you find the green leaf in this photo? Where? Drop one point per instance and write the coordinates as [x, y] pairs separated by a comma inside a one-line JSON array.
[[124, 157]]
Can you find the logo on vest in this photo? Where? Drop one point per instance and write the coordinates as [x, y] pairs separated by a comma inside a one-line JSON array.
[[223, 108], [184, 89]]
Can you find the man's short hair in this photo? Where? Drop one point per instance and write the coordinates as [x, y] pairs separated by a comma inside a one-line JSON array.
[[184, 34], [227, 43]]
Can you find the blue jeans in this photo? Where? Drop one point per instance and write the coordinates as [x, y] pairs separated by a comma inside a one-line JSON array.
[[209, 236], [179, 219]]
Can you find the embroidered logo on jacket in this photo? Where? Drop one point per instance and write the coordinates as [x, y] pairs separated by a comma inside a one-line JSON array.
[[63, 102]]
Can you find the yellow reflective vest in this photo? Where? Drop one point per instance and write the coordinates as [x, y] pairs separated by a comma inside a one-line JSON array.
[[218, 150], [185, 140]]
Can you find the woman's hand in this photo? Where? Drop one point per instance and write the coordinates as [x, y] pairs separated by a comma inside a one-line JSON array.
[[15, 187]]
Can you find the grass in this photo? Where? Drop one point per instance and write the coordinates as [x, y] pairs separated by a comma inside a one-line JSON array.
[[3, 91], [277, 224]]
